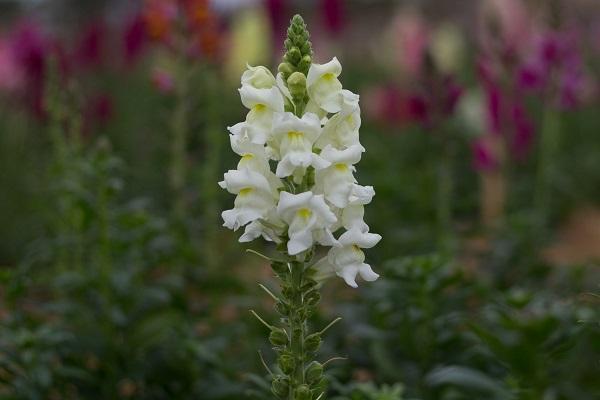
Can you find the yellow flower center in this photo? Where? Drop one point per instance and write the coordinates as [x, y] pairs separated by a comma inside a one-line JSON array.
[[247, 156], [260, 108], [304, 213], [356, 248], [246, 191], [328, 76], [341, 167], [295, 135]]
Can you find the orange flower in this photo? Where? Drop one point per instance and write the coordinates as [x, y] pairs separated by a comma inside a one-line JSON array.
[[158, 16]]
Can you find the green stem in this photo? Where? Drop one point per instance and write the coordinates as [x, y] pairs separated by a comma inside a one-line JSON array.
[[548, 145], [212, 153], [445, 186], [179, 127], [297, 327]]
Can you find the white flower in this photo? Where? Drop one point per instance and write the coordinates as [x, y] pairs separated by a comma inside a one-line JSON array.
[[245, 131], [256, 197], [337, 180], [352, 216], [341, 130], [258, 77], [309, 220], [324, 87], [293, 140], [348, 261], [253, 157], [270, 228], [263, 104]]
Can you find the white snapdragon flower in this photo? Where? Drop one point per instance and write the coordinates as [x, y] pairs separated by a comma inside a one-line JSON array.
[[341, 130], [263, 105], [254, 157], [270, 228], [348, 261], [258, 77], [324, 87], [256, 197], [292, 143], [336, 181], [352, 216], [309, 219], [246, 131]]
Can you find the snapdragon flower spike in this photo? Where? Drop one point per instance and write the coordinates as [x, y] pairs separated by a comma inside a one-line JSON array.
[[299, 146]]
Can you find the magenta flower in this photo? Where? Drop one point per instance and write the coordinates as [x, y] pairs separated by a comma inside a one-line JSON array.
[[134, 39], [89, 51], [30, 49], [483, 156], [11, 77], [333, 15]]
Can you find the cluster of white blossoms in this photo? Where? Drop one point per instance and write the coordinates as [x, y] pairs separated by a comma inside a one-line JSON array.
[[310, 196]]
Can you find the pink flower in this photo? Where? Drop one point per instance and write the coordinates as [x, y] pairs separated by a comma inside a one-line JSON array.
[[163, 81], [412, 38], [483, 156], [387, 104], [504, 26], [523, 134], [11, 77]]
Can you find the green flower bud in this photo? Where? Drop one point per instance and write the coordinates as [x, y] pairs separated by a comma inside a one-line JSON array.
[[286, 363], [312, 298], [312, 342], [305, 63], [286, 68], [278, 337], [314, 372], [280, 386], [298, 46], [294, 55], [297, 85], [303, 393], [282, 308]]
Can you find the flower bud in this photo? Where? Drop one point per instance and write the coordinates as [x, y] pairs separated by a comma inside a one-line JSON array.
[[305, 63], [286, 69], [294, 55], [286, 363], [278, 337], [280, 386], [314, 372], [303, 393], [297, 85], [312, 342]]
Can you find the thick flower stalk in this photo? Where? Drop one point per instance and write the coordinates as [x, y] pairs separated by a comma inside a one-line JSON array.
[[295, 186]]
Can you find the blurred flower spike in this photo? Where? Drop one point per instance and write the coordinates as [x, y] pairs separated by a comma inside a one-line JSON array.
[[187, 26]]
